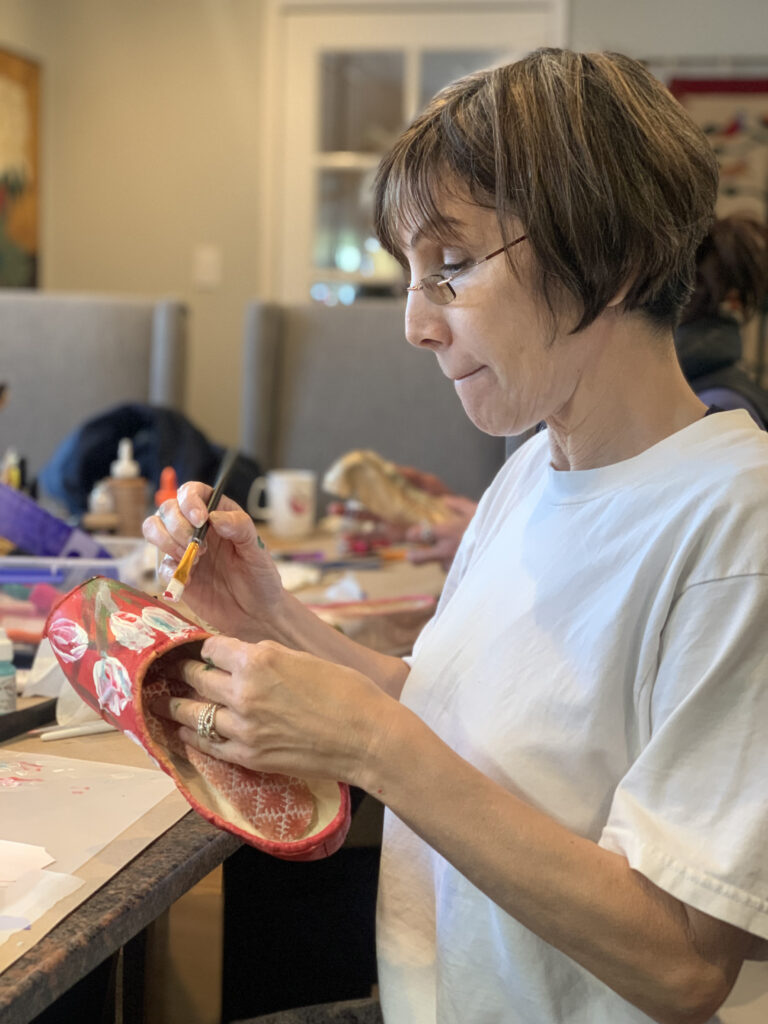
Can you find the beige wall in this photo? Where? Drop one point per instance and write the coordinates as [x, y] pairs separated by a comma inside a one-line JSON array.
[[152, 144], [151, 147], [671, 28]]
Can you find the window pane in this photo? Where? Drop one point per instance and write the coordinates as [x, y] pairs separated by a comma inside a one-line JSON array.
[[344, 293], [344, 238], [438, 68], [345, 245], [361, 101]]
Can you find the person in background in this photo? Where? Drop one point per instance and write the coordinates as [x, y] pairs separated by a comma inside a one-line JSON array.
[[573, 759], [731, 286]]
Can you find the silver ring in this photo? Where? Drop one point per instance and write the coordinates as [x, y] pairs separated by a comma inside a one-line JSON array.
[[206, 723], [427, 534]]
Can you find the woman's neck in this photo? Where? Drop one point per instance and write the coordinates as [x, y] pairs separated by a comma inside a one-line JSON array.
[[631, 395]]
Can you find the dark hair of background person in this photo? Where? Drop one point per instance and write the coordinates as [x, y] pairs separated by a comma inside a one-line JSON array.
[[731, 270], [611, 179], [731, 286]]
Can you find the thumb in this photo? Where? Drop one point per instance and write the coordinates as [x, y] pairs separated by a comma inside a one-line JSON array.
[[237, 527]]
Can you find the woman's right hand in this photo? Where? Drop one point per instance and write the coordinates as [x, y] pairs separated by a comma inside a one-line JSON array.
[[234, 584]]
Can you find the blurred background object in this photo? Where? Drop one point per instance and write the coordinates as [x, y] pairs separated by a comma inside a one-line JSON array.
[[731, 291]]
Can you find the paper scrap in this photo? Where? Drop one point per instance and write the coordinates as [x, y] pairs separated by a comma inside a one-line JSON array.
[[18, 858], [45, 678], [346, 589], [71, 709], [31, 896], [295, 575]]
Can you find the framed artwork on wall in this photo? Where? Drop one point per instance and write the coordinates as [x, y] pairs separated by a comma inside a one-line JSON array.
[[734, 114], [19, 108]]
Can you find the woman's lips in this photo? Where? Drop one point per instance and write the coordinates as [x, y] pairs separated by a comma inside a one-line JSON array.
[[466, 376]]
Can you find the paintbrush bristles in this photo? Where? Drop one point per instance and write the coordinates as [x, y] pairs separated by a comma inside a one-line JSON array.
[[180, 578], [185, 565]]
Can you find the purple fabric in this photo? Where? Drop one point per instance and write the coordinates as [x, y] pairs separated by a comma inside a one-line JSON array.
[[726, 399]]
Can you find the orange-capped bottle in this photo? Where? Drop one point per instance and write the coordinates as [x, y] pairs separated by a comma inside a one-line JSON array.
[[169, 485]]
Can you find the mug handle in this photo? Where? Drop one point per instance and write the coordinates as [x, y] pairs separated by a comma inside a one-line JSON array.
[[256, 490]]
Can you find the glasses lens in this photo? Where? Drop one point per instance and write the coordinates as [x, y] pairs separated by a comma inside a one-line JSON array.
[[437, 290]]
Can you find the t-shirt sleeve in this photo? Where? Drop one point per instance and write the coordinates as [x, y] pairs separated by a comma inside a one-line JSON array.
[[691, 814]]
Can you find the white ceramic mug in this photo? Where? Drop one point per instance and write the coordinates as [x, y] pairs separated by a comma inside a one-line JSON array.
[[291, 501]]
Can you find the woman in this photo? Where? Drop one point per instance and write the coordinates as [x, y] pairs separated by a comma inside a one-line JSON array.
[[570, 761]]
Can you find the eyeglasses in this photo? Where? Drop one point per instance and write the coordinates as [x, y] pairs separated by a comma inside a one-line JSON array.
[[438, 289]]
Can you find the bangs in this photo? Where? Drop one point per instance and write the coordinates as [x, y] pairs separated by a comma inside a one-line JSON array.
[[410, 204], [426, 167]]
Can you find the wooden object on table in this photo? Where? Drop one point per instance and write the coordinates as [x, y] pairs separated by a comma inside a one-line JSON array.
[[382, 489]]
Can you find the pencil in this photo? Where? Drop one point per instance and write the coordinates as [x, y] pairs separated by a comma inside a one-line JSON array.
[[66, 732], [180, 578]]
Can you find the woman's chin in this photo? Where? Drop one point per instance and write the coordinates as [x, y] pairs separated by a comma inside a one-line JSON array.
[[497, 423]]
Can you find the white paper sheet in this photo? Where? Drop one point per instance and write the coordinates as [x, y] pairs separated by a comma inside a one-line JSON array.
[[72, 809]]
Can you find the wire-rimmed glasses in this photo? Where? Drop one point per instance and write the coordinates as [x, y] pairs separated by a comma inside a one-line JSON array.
[[438, 288]]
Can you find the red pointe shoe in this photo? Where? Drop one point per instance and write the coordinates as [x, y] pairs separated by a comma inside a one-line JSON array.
[[112, 643]]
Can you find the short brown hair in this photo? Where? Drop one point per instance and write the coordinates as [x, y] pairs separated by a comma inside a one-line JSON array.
[[611, 179]]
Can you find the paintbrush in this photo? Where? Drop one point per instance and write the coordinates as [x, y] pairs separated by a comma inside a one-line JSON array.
[[180, 578]]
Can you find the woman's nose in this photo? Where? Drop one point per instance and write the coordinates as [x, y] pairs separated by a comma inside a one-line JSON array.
[[425, 326]]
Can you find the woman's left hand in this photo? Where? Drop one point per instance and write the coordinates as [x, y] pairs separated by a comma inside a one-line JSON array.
[[280, 710]]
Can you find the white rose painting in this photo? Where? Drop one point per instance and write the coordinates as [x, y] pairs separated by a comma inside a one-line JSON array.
[[112, 685], [131, 631], [68, 640]]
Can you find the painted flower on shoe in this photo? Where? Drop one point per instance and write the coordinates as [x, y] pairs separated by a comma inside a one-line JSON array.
[[112, 684], [165, 621], [68, 640], [131, 631]]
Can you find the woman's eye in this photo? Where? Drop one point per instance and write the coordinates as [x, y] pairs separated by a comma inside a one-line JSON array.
[[453, 268]]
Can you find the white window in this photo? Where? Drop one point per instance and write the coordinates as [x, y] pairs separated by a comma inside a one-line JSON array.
[[346, 84]]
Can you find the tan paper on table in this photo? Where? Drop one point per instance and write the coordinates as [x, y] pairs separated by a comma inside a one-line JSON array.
[[116, 750]]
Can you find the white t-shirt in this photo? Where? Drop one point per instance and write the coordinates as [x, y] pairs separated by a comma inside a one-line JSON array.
[[601, 650]]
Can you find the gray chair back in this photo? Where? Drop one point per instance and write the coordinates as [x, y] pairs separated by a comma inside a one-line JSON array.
[[320, 381], [65, 357]]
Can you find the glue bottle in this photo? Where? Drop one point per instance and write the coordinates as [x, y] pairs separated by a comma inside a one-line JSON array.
[[129, 490], [7, 675]]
